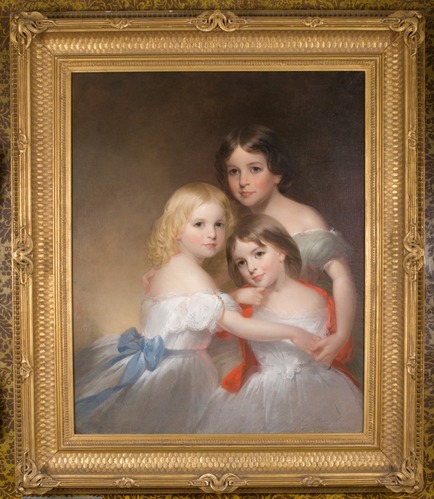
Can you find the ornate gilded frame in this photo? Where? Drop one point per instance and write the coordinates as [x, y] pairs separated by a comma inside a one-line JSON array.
[[46, 49]]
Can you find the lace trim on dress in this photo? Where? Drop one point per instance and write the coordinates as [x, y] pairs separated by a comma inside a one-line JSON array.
[[198, 312]]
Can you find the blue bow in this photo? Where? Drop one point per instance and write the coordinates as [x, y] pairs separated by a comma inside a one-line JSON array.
[[145, 355]]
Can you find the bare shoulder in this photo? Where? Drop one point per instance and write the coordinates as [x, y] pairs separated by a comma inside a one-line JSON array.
[[310, 296], [297, 298], [298, 217], [310, 217], [199, 279], [180, 276]]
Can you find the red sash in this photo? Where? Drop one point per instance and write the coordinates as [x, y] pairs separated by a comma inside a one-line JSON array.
[[234, 380]]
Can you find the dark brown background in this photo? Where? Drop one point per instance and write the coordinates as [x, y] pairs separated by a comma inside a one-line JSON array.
[[139, 136]]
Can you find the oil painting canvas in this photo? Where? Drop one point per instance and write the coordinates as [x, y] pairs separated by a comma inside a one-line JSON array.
[[137, 138]]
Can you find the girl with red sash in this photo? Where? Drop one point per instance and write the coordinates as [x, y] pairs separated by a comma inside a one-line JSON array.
[[280, 388]]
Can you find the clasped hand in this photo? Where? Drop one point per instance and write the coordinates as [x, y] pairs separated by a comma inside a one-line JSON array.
[[326, 350]]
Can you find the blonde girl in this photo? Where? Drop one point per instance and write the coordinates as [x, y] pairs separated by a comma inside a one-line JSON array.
[[160, 380]]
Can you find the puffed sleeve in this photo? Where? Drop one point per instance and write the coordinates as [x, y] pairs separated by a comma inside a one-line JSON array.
[[198, 312], [319, 247]]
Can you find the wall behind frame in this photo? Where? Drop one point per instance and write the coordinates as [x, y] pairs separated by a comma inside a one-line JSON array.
[[7, 469]]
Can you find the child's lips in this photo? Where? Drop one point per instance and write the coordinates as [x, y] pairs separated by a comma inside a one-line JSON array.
[[257, 278], [246, 194]]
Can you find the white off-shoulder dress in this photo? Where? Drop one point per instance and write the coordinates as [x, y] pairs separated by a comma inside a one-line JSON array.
[[157, 381], [291, 393]]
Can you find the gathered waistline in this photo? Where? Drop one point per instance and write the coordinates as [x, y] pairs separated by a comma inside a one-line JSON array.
[[184, 353]]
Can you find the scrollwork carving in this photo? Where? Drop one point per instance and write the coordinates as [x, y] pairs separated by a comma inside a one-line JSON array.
[[211, 483], [126, 483], [25, 369], [24, 27], [412, 139], [411, 366], [407, 480], [22, 142], [120, 23], [414, 259], [410, 24], [22, 255], [312, 481], [32, 478], [313, 22], [226, 21]]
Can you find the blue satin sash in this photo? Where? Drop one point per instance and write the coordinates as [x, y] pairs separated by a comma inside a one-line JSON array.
[[145, 355]]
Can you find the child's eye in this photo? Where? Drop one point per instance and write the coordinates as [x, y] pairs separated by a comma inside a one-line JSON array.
[[241, 263], [198, 224], [260, 254], [256, 169], [232, 172], [220, 225]]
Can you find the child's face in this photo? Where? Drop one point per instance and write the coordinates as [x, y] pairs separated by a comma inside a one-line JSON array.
[[250, 180], [204, 234], [259, 266]]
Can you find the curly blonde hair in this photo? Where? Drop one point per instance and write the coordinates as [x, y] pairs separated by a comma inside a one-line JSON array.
[[162, 243]]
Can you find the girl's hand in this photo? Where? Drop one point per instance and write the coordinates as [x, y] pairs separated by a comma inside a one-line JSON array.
[[305, 341], [146, 280], [327, 349], [249, 296]]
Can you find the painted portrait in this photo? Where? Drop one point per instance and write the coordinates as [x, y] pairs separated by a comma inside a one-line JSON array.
[[138, 137]]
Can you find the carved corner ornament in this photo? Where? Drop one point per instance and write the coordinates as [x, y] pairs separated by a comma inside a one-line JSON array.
[[30, 478], [25, 26], [408, 479], [210, 483], [210, 20], [411, 24], [22, 255]]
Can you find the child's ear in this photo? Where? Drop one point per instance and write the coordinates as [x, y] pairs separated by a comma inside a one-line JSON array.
[[277, 179], [282, 257]]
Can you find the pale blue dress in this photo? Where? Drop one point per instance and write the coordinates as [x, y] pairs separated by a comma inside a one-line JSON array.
[[319, 247]]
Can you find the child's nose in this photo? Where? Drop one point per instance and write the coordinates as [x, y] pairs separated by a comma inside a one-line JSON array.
[[244, 178]]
